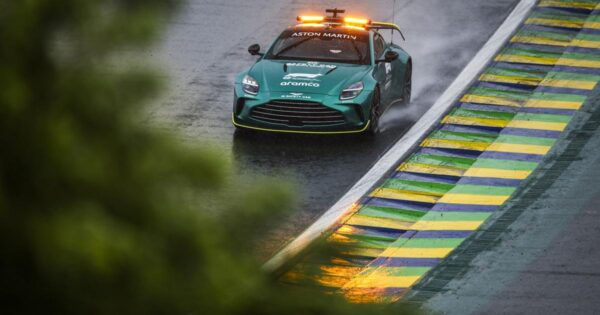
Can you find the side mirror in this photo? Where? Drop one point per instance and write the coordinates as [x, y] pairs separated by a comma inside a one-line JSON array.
[[389, 56], [254, 49]]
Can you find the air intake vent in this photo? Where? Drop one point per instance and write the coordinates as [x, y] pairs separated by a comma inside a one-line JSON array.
[[297, 113]]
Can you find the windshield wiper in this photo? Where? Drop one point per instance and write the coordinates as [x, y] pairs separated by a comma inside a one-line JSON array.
[[360, 56]]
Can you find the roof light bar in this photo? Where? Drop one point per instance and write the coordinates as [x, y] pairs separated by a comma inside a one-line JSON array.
[[311, 25], [310, 19], [355, 27], [348, 22], [356, 21]]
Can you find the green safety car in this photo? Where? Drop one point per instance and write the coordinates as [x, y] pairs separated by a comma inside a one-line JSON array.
[[325, 75]]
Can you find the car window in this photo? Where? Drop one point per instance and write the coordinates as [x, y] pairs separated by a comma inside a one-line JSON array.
[[378, 45], [332, 45]]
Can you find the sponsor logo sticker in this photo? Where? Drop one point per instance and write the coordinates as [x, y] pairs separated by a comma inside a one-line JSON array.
[[327, 35], [304, 84], [310, 64], [302, 76], [296, 95]]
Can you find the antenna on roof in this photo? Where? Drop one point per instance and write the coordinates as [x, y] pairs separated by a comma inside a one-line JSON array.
[[335, 12], [393, 19]]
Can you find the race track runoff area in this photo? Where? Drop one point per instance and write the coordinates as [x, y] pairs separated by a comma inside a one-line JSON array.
[[491, 140]]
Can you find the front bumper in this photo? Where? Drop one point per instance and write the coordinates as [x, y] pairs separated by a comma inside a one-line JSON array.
[[352, 116]]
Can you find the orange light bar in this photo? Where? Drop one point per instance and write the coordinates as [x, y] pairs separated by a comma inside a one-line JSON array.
[[351, 20], [310, 19], [354, 27], [311, 25]]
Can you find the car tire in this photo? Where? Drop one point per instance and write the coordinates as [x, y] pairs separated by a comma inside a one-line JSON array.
[[407, 90], [375, 114]]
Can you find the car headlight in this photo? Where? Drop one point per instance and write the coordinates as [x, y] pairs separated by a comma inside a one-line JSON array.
[[351, 91], [249, 85]]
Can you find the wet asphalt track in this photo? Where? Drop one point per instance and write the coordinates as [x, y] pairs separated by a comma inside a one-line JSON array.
[[205, 47]]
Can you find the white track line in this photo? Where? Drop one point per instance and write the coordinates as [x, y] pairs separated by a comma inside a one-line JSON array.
[[408, 141]]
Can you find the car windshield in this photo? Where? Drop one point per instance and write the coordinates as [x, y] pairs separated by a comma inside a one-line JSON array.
[[329, 45]]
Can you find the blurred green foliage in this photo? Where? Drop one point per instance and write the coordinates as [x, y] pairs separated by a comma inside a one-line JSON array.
[[99, 214]]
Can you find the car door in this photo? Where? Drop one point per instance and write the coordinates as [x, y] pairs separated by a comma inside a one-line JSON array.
[[383, 70], [396, 75], [399, 67]]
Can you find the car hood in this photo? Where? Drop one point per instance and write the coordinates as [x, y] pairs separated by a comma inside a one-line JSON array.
[[306, 77]]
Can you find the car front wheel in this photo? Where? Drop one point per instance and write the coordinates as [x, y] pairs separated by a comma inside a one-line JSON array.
[[407, 91]]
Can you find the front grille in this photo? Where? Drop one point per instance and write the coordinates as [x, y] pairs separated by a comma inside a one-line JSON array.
[[297, 113]]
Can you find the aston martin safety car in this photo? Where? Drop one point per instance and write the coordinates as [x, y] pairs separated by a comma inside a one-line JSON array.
[[327, 74]]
